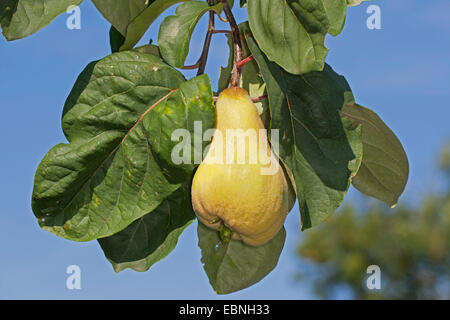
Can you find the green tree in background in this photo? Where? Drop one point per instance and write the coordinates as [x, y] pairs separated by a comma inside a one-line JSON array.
[[410, 245]]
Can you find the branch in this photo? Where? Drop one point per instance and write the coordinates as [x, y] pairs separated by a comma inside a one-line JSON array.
[[221, 31], [194, 66], [204, 57], [236, 74]]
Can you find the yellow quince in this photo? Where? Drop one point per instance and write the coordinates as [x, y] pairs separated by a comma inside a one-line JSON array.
[[240, 184]]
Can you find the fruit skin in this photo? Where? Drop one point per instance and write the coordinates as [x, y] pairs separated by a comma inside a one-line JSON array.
[[253, 205]]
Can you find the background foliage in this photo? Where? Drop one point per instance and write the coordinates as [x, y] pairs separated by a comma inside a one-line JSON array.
[[411, 245]]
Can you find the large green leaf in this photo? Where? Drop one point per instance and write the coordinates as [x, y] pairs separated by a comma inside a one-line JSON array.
[[384, 169], [20, 18], [322, 150], [117, 167], [234, 265], [121, 13], [175, 31], [291, 32], [152, 237], [137, 28], [336, 11]]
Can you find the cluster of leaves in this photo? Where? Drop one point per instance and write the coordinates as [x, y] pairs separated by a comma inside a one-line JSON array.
[[410, 245], [115, 182]]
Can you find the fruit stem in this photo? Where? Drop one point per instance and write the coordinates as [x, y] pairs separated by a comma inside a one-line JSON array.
[[236, 73]]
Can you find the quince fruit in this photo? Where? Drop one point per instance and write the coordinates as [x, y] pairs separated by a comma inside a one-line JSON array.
[[240, 188]]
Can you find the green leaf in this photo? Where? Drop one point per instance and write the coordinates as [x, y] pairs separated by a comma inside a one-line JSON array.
[[21, 18], [322, 150], [352, 3], [116, 39], [291, 33], [175, 31], [336, 11], [7, 10], [137, 28], [149, 49], [152, 237], [384, 169], [121, 13], [117, 167], [234, 266]]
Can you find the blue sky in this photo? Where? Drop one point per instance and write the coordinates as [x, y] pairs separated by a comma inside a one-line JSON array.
[[401, 71]]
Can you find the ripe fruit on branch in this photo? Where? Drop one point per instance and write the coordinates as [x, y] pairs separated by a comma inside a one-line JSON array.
[[240, 184]]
